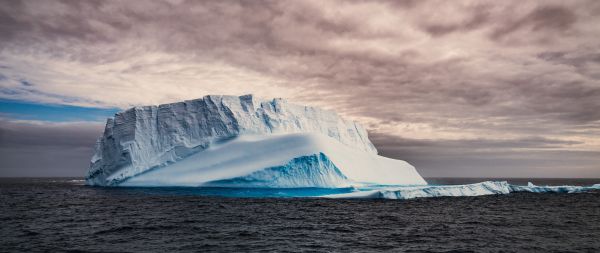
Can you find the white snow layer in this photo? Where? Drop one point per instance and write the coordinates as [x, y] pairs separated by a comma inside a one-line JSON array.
[[281, 161], [223, 137], [478, 189]]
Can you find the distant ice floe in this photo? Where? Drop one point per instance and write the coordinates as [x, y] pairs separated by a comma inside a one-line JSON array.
[[477, 189], [77, 181]]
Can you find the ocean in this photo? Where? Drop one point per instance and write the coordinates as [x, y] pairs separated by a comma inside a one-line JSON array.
[[63, 215]]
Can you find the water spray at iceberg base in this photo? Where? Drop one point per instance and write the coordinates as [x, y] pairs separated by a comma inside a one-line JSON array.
[[249, 147]]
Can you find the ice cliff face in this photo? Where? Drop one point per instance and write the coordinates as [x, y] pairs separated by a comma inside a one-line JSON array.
[[150, 137]]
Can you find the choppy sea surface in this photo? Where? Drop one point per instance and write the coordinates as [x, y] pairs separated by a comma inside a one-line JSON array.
[[63, 215]]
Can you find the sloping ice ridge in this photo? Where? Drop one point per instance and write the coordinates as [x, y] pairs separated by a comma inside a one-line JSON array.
[[477, 189], [280, 161]]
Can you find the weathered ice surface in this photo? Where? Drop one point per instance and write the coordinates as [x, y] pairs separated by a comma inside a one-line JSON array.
[[149, 138]]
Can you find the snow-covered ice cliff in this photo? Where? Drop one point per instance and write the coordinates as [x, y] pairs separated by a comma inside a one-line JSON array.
[[239, 142]]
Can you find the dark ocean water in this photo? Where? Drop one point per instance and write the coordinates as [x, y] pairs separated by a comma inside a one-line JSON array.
[[58, 215]]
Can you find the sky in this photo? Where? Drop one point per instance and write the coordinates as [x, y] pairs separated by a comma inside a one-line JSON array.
[[456, 88]]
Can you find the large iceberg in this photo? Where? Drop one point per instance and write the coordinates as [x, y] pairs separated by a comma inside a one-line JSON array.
[[229, 141]]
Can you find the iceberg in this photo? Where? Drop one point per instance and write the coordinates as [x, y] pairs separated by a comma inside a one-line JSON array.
[[230, 141], [477, 189]]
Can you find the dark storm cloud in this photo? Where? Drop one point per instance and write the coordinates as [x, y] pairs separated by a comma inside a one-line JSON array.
[[469, 69], [46, 149], [477, 17], [390, 141], [63, 21], [543, 19], [491, 158], [23, 135]]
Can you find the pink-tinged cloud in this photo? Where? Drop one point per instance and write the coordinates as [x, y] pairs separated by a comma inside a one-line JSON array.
[[470, 73]]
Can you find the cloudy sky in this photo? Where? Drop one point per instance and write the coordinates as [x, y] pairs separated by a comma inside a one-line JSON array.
[[457, 88]]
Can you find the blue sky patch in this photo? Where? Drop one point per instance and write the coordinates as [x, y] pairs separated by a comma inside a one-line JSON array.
[[57, 113]]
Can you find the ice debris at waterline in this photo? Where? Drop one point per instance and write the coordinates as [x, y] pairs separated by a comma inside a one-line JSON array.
[[477, 189], [241, 141]]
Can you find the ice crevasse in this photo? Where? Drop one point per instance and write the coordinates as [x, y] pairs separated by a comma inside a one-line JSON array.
[[245, 141]]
